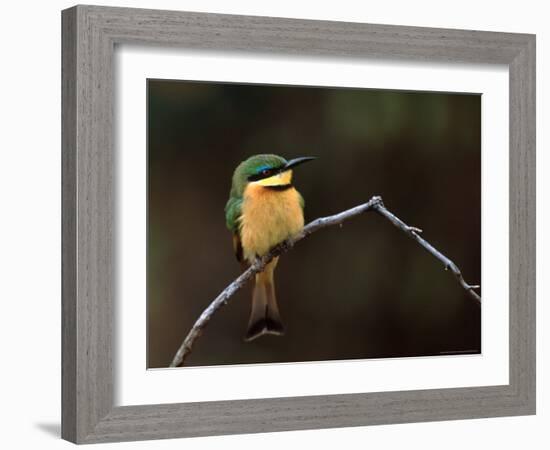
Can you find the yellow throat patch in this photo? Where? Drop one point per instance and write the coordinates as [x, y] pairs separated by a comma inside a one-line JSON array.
[[269, 216]]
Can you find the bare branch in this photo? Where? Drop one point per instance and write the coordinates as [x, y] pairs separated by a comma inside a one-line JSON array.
[[413, 233], [374, 204]]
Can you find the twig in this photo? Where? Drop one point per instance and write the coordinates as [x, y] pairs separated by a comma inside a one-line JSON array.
[[374, 204], [413, 233]]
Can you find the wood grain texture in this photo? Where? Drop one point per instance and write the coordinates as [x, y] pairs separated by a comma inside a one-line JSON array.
[[523, 224], [89, 37], [68, 226]]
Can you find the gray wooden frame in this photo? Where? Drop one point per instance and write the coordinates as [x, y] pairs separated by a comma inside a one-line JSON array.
[[89, 36]]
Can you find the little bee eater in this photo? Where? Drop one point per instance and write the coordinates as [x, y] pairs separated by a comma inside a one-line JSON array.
[[263, 210]]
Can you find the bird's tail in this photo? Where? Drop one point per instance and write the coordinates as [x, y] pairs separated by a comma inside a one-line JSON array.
[[264, 315]]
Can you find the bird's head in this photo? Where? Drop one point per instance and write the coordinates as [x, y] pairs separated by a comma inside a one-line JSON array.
[[266, 170]]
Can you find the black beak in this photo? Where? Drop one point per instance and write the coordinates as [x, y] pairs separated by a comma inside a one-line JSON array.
[[297, 161]]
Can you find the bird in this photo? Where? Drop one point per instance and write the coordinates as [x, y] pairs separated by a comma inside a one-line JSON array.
[[263, 210]]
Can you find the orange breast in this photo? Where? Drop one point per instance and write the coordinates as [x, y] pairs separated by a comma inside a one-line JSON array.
[[268, 217]]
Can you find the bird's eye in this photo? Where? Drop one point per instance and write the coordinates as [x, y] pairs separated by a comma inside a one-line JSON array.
[[265, 172]]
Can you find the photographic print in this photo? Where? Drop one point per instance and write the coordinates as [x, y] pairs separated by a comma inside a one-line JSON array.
[[235, 169]]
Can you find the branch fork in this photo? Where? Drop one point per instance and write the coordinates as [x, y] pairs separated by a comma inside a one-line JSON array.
[[374, 204]]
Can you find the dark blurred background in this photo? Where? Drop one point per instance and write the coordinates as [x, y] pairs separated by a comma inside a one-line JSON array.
[[361, 291]]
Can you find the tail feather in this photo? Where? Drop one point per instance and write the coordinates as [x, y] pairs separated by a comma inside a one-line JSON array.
[[264, 315]]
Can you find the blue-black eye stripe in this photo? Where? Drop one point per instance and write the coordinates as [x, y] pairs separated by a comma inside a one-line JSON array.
[[271, 171]]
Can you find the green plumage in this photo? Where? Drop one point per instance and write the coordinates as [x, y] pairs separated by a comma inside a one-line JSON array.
[[232, 213]]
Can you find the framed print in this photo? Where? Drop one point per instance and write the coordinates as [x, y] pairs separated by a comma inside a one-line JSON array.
[[200, 150]]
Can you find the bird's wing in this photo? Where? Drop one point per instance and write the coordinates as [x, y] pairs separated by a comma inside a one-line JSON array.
[[237, 247], [232, 215]]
